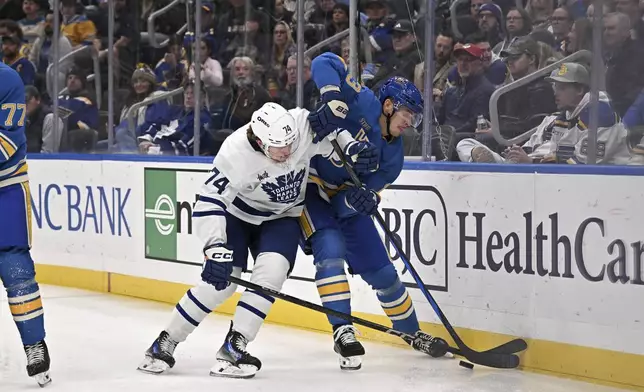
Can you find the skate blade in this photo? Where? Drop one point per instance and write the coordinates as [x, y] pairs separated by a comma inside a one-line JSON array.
[[350, 363], [229, 370], [153, 366], [43, 379]]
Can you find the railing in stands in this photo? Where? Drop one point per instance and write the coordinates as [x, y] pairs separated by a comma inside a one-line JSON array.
[[68, 58], [152, 37], [134, 109], [366, 44], [494, 100]]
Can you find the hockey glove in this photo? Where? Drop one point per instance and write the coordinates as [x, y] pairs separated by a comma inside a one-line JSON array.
[[218, 266], [364, 201], [330, 116], [364, 156]]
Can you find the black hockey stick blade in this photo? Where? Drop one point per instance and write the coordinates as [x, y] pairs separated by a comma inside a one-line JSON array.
[[511, 347], [490, 359], [318, 308]]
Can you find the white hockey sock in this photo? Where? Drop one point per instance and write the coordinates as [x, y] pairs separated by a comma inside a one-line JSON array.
[[270, 270], [195, 305]]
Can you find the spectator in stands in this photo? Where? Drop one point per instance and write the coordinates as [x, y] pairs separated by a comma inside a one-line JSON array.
[[32, 23], [174, 134], [496, 70], [281, 14], [42, 51], [283, 48], [80, 114], [443, 62], [607, 7], [288, 96], [233, 31], [323, 12], [11, 9], [540, 12], [525, 107], [84, 114], [171, 70], [475, 7], [557, 135], [580, 37], [462, 104], [624, 61], [380, 26], [12, 57], [561, 24], [517, 24], [491, 23], [76, 26], [632, 9], [125, 38], [42, 135], [407, 56], [245, 97], [12, 28], [143, 86], [339, 20], [212, 75]]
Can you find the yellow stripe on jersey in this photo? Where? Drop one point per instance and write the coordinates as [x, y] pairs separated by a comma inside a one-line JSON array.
[[7, 146], [27, 192], [306, 224]]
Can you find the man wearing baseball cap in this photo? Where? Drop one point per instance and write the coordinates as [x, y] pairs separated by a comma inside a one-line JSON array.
[[12, 57], [464, 102], [518, 107], [558, 135], [406, 55]]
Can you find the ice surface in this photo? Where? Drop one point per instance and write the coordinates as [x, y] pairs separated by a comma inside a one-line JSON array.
[[97, 340]]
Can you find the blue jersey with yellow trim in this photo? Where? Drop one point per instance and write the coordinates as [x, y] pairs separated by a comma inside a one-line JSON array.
[[13, 142], [365, 109]]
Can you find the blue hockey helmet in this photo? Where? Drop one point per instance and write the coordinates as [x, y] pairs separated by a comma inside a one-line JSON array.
[[403, 93]]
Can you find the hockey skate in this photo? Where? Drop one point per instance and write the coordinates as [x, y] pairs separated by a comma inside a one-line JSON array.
[[233, 360], [433, 346], [38, 363], [159, 357], [348, 347]]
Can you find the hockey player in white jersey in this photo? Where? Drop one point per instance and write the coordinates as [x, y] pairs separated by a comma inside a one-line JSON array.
[[251, 201]]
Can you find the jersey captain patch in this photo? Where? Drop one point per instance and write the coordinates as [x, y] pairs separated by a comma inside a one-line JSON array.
[[286, 188]]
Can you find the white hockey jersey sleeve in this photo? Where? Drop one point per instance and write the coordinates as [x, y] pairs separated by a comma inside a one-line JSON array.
[[215, 196]]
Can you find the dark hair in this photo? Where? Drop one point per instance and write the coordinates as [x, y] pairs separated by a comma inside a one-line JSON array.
[[13, 27], [527, 20], [447, 34], [476, 38]]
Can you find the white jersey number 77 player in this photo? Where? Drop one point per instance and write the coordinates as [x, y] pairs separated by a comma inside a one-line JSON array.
[[250, 202]]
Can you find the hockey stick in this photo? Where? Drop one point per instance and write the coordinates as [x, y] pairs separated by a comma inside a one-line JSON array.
[[353, 319], [489, 358]]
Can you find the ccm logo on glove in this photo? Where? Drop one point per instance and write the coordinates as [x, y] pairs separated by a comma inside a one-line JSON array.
[[222, 257]]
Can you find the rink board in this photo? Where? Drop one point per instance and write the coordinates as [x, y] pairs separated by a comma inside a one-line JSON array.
[[480, 236]]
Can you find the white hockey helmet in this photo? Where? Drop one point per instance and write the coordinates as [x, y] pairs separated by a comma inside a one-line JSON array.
[[275, 127]]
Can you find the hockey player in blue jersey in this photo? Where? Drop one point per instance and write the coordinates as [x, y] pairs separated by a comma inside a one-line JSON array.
[[336, 220], [16, 266]]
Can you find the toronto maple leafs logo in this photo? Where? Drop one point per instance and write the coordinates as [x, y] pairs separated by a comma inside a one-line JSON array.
[[286, 188]]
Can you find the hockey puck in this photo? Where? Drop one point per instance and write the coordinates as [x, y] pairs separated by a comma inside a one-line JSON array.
[[466, 364]]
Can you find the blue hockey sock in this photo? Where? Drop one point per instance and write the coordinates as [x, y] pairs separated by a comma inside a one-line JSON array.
[[333, 287], [394, 298], [27, 311]]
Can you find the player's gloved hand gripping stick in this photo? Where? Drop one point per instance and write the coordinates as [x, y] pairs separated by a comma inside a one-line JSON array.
[[491, 358]]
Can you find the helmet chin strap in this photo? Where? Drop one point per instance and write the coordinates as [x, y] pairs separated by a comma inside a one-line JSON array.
[[388, 117]]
